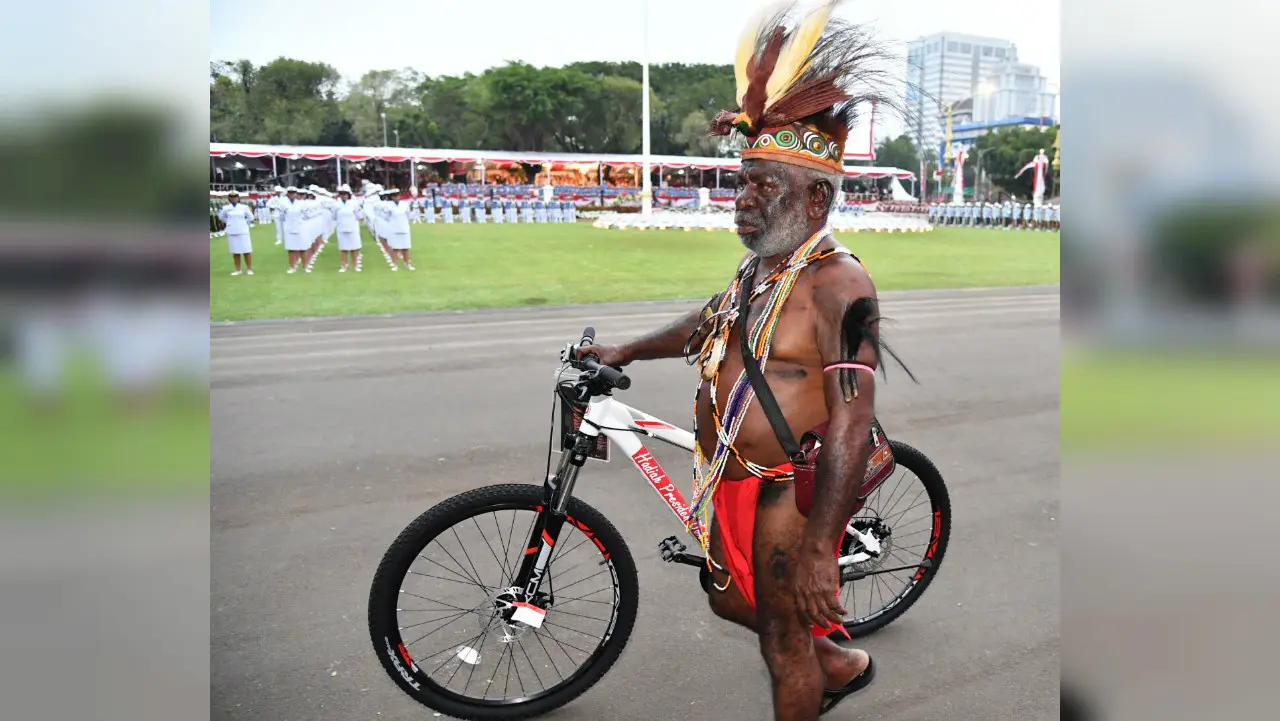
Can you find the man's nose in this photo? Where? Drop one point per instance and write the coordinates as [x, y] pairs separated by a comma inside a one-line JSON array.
[[744, 199]]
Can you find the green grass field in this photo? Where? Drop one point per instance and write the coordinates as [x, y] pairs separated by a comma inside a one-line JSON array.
[[492, 266], [1124, 400]]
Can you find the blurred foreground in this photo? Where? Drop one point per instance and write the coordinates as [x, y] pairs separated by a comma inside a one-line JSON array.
[[1170, 390], [103, 415]]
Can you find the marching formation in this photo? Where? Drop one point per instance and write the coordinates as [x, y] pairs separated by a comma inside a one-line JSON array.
[[306, 219], [1021, 216]]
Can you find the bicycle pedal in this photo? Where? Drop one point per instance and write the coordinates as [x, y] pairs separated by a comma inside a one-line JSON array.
[[671, 547], [673, 551]]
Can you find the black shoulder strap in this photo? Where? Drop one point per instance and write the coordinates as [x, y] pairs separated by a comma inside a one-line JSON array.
[[761, 387]]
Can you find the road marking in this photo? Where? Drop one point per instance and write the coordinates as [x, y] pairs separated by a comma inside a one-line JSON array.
[[897, 310], [218, 358]]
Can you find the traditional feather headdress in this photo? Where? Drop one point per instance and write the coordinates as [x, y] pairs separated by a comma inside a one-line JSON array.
[[798, 90]]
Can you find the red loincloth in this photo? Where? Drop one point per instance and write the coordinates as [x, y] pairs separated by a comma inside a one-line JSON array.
[[735, 508]]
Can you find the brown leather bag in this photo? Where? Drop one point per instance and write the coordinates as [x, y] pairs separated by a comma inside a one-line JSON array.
[[880, 466]]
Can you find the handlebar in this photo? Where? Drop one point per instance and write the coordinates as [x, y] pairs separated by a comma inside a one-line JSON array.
[[591, 363], [613, 376]]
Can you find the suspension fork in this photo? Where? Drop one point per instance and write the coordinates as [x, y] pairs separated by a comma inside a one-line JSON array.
[[557, 490]]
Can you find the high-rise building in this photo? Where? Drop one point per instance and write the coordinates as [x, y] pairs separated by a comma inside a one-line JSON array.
[[945, 68], [1013, 90]]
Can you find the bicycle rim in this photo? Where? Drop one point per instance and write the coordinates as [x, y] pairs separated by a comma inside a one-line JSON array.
[[913, 515], [452, 635]]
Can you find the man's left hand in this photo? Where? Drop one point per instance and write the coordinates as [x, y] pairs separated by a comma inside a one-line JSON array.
[[817, 579]]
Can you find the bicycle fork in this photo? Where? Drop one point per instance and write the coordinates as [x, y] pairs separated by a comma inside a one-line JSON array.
[[557, 490]]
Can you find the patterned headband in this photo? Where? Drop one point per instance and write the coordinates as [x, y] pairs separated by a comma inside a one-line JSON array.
[[797, 144]]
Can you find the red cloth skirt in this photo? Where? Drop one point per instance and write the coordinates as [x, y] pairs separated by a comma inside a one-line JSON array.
[[735, 508]]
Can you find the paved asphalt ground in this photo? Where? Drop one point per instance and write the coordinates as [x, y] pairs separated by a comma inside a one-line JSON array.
[[330, 436]]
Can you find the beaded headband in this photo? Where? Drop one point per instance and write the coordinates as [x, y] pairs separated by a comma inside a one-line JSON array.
[[797, 144]]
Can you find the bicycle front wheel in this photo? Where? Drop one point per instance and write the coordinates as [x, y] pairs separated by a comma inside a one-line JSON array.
[[436, 606]]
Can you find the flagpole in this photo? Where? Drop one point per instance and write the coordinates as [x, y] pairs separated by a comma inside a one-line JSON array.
[[646, 193]]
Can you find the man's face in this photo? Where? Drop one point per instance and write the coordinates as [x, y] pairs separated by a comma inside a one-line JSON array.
[[771, 207], [293, 196], [234, 199]]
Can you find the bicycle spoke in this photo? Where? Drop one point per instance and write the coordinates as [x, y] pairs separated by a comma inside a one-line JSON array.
[[490, 547], [442, 603], [895, 499], [588, 578], [464, 553], [548, 654], [462, 577], [479, 647], [562, 643], [507, 569], [570, 613], [571, 550], [913, 506], [428, 634], [448, 619], [584, 633], [531, 666], [460, 567], [450, 580], [507, 683]]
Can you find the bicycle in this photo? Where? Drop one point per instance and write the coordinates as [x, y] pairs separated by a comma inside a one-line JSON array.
[[521, 601]]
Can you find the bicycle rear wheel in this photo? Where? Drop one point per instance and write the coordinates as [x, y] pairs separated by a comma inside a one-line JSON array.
[[436, 607], [909, 514]]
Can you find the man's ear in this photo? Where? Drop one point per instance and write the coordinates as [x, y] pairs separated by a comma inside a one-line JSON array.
[[820, 197]]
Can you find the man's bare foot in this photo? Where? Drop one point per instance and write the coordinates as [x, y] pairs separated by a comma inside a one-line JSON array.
[[839, 668]]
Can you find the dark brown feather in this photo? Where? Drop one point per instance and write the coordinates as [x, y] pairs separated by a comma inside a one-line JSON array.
[[760, 70]]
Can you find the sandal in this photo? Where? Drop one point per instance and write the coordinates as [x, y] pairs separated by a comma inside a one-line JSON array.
[[832, 697]]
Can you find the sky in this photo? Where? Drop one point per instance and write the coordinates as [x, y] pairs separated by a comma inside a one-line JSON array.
[[450, 37]]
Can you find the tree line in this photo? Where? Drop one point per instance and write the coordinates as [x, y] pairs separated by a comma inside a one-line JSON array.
[[583, 107]]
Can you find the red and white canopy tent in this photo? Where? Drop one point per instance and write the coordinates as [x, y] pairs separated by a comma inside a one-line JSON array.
[[437, 155]]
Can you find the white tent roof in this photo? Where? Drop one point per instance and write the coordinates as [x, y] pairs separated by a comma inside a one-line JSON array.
[[436, 155]]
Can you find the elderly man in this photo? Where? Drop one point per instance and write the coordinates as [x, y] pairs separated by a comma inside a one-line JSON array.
[[812, 316]]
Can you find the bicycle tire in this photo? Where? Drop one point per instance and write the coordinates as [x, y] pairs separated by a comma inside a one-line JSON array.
[[384, 592], [940, 502]]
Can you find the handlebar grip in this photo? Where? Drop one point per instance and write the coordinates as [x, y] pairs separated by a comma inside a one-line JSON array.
[[615, 377], [588, 336]]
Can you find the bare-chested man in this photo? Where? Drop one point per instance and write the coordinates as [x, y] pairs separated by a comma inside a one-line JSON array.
[[814, 319]]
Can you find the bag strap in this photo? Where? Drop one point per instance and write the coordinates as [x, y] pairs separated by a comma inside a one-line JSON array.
[[758, 384]]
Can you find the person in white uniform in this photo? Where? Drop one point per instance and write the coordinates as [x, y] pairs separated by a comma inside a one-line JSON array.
[[386, 200], [346, 218], [368, 206], [273, 207], [448, 210], [314, 215], [328, 200], [237, 217], [399, 237], [295, 230], [414, 215], [513, 213], [572, 209], [480, 211]]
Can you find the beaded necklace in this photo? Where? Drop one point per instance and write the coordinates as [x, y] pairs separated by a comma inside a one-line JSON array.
[[707, 473]]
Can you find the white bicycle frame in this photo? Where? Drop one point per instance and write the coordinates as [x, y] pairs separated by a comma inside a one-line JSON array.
[[625, 426]]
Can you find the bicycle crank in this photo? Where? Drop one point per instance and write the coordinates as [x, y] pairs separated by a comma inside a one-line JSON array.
[[849, 573]]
